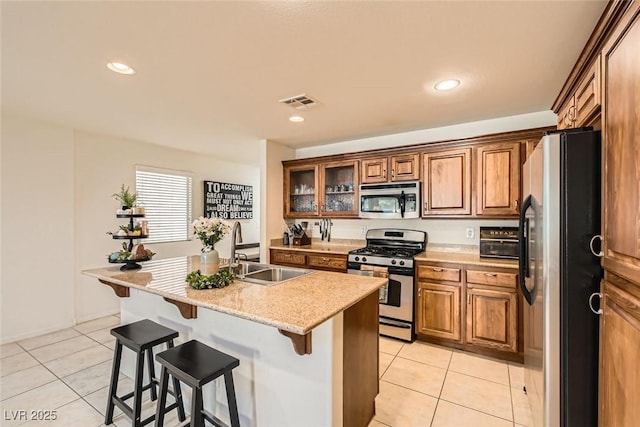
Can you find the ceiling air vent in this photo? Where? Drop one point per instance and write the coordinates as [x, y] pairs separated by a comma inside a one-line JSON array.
[[299, 102]]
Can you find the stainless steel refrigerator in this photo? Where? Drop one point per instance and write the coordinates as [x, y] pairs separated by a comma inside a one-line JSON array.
[[558, 274]]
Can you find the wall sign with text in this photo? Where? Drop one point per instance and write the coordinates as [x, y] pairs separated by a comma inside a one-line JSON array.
[[228, 201]]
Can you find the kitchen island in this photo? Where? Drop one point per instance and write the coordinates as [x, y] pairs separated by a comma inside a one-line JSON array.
[[308, 347]]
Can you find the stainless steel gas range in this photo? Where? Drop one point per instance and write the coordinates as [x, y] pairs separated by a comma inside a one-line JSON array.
[[389, 252]]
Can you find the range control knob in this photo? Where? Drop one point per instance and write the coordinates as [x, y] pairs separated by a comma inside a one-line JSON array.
[[393, 261], [401, 262], [364, 259], [357, 258]]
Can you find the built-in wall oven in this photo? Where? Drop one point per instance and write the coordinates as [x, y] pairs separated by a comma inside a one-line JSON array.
[[389, 253]]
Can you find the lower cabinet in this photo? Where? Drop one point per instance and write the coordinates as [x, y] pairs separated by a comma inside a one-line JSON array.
[[306, 259], [439, 310], [619, 377], [476, 308], [492, 319]]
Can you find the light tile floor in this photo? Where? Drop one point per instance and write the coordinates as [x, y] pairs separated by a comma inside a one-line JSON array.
[[420, 384]]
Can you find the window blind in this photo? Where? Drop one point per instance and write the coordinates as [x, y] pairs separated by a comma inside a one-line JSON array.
[[166, 197]]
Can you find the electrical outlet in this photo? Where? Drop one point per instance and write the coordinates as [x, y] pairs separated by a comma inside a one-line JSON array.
[[470, 233], [363, 231]]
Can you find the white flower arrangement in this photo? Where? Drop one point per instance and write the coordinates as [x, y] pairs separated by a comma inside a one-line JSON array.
[[210, 231]]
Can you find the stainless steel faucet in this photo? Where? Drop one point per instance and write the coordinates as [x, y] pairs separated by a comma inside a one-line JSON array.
[[236, 237]]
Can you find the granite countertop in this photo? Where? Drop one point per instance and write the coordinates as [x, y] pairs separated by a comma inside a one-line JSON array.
[[464, 258], [297, 305], [335, 248]]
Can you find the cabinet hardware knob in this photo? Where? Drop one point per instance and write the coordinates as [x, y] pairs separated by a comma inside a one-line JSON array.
[[468, 298], [515, 204], [325, 259], [419, 291], [593, 239], [599, 295], [491, 274], [393, 172], [572, 115], [436, 269]]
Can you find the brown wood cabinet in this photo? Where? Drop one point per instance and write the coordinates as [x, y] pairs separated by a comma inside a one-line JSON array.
[[475, 308], [447, 182], [401, 167], [498, 179], [438, 313], [300, 191], [492, 319], [621, 135], [339, 189], [306, 259], [619, 382], [584, 104]]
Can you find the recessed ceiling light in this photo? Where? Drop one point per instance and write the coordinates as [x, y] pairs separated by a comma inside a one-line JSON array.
[[296, 119], [447, 84], [118, 67]]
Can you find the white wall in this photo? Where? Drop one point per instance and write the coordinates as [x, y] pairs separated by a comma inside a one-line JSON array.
[[37, 283], [57, 206], [271, 183], [103, 163], [439, 231]]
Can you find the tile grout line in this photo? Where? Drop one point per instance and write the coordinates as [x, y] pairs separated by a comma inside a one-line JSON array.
[[478, 410], [433, 418]]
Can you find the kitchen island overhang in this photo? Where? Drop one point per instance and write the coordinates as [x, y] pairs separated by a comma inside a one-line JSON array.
[[333, 385]]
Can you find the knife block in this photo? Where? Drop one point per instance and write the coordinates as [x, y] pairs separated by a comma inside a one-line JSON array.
[[301, 240]]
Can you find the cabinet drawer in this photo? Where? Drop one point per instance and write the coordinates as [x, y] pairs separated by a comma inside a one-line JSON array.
[[286, 257], [327, 261], [494, 278], [438, 273]]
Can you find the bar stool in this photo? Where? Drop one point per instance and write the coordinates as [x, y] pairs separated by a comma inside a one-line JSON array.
[[196, 365], [140, 337]]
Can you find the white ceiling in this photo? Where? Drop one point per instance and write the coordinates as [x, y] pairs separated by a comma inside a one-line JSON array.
[[209, 74]]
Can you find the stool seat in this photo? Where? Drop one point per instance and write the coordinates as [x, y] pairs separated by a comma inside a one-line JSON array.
[[195, 363], [143, 334]]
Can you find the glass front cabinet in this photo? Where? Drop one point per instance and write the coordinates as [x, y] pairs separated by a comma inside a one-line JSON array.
[[301, 184], [339, 189], [327, 189]]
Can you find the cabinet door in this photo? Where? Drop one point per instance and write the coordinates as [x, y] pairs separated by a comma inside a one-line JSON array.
[[374, 170], [339, 189], [619, 376], [447, 182], [405, 167], [498, 179], [300, 191], [621, 141], [439, 310], [587, 97], [492, 319]]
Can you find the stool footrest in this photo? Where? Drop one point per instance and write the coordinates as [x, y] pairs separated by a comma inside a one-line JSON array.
[[145, 388]]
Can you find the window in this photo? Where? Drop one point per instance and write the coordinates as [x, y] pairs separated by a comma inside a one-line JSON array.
[[166, 197]]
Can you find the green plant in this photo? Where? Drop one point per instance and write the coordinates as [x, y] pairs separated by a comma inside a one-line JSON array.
[[197, 280], [126, 198]]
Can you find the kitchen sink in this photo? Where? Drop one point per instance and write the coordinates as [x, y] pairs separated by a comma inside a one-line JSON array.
[[265, 274]]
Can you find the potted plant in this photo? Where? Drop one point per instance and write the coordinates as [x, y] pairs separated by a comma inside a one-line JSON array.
[[126, 198], [210, 231]]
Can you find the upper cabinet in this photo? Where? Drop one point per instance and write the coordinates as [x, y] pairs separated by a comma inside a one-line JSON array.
[[498, 179], [401, 167], [300, 195], [447, 182], [339, 189], [583, 105], [621, 136], [321, 189]]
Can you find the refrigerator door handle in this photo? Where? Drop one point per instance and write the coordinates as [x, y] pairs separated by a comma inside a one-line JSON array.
[[599, 254], [523, 264]]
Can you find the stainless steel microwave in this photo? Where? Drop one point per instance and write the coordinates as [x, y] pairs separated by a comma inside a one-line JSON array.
[[390, 201]]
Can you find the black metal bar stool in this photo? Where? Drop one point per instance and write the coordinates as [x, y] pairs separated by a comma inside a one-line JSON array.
[[140, 337], [197, 364]]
